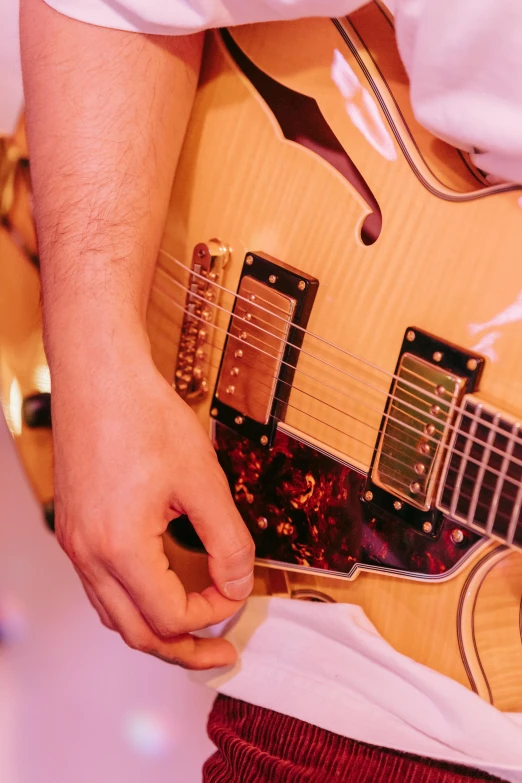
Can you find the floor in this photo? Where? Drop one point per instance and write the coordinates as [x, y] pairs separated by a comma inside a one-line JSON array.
[[76, 705]]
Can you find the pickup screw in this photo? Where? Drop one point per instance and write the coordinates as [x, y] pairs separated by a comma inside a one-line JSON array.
[[230, 389], [262, 522], [440, 391], [301, 285], [234, 371], [248, 316], [249, 260], [437, 356], [429, 429], [214, 412], [243, 336], [415, 487], [457, 536], [397, 505], [425, 448], [427, 527], [239, 353], [272, 279], [368, 496], [263, 440], [239, 420], [410, 335], [472, 364], [420, 468], [435, 410]]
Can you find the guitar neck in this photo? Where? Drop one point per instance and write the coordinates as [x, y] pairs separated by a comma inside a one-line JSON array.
[[481, 484]]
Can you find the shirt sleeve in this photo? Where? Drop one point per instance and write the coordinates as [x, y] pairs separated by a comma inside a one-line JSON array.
[[181, 17], [463, 57]]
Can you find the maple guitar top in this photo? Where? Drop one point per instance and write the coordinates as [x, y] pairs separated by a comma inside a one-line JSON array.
[[337, 298]]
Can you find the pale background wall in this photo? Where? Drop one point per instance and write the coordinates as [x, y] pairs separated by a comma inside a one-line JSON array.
[[76, 706]]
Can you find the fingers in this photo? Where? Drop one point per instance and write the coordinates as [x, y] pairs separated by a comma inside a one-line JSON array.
[[91, 595], [181, 649], [158, 593], [208, 504]]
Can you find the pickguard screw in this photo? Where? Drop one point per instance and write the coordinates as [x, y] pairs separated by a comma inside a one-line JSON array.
[[272, 279], [410, 335], [397, 505], [201, 253], [457, 536], [301, 285], [368, 496], [239, 420], [427, 527], [437, 356], [249, 260], [263, 440], [262, 522], [214, 412], [472, 364]]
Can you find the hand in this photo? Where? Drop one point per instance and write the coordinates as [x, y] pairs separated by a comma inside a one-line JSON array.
[[129, 456]]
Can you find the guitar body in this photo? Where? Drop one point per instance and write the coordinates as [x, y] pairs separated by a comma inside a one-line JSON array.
[[302, 149]]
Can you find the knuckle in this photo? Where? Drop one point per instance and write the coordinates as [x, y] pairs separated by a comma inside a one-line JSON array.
[[138, 641], [243, 550]]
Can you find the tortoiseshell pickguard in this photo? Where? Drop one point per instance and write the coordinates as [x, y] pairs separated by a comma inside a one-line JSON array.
[[303, 509], [314, 515]]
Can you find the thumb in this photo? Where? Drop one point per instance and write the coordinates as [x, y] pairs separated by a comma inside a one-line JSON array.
[[225, 536]]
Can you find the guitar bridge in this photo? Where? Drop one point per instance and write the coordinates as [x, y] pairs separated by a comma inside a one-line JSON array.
[[191, 374], [271, 310]]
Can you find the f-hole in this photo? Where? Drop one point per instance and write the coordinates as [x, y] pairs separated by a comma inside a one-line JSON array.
[[302, 121]]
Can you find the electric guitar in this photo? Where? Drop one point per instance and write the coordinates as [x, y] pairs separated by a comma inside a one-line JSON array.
[[339, 297]]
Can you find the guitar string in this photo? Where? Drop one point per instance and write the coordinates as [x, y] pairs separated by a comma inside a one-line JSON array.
[[306, 332], [492, 449], [457, 409], [450, 427], [451, 469], [445, 447]]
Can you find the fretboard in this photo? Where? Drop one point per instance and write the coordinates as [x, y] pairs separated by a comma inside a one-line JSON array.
[[482, 484]]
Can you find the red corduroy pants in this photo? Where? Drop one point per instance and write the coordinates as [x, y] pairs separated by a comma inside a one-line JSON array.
[[255, 745]]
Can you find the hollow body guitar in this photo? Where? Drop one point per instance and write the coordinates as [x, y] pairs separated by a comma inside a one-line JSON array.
[[338, 296]]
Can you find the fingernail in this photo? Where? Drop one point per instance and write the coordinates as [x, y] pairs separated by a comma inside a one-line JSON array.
[[239, 588]]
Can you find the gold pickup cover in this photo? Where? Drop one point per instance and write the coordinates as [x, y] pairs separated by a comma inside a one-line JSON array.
[[415, 428], [255, 348]]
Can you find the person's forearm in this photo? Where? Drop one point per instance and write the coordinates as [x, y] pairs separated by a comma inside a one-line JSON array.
[[106, 114]]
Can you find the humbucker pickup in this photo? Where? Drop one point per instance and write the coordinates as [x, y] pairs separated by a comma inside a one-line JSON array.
[[265, 333], [430, 380]]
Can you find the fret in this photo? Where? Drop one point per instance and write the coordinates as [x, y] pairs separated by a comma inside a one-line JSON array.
[[501, 478], [464, 459], [481, 485], [486, 453], [515, 515]]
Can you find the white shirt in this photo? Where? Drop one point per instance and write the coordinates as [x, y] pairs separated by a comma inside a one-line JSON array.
[[325, 663]]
